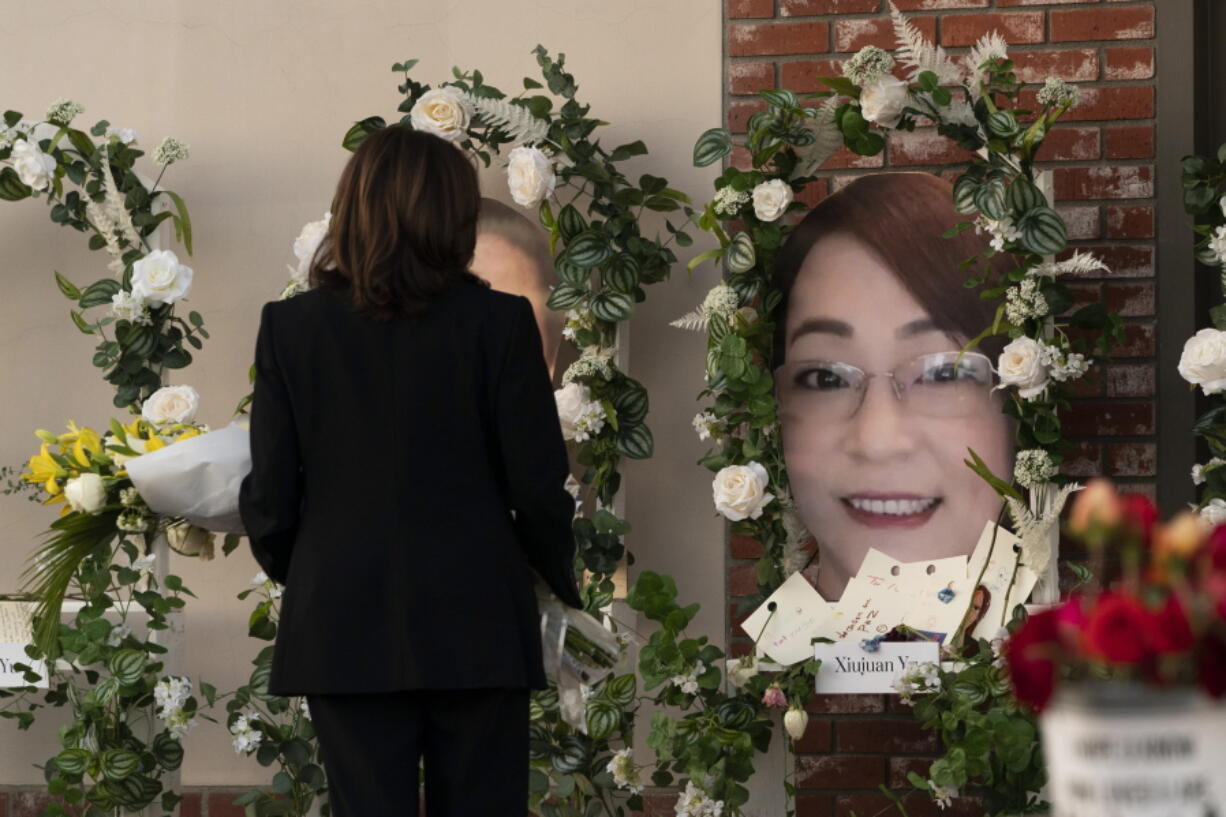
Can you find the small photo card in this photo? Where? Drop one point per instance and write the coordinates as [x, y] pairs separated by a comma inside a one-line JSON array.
[[847, 668]]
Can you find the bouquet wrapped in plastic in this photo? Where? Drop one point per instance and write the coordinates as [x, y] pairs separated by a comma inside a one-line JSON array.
[[578, 652]]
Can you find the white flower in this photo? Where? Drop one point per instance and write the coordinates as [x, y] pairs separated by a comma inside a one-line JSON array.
[[443, 112], [882, 102], [305, 247], [740, 492], [588, 366], [704, 424], [159, 278], [1025, 301], [868, 65], [740, 670], [577, 321], [125, 136], [771, 199], [272, 588], [688, 683], [917, 679], [7, 136], [171, 404], [63, 111], [1057, 93], [728, 202], [127, 306], [118, 633], [1021, 365], [304, 709], [1214, 512], [86, 493], [581, 416], [1003, 232], [530, 176], [1221, 202], [1064, 366], [129, 497], [1033, 467], [795, 722], [1217, 243], [1203, 362], [170, 150], [246, 737], [145, 562], [625, 775], [1199, 471], [722, 300], [942, 795], [694, 802], [132, 522], [33, 167], [1079, 263], [170, 695]]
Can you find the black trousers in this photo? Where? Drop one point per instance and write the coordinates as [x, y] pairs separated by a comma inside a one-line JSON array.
[[474, 744]]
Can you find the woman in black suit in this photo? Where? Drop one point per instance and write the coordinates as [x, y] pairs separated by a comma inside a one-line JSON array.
[[407, 477]]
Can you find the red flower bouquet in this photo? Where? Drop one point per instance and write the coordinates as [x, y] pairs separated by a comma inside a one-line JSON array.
[[1161, 622]]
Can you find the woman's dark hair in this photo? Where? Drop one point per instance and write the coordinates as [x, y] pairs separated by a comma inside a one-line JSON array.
[[901, 217], [404, 223]]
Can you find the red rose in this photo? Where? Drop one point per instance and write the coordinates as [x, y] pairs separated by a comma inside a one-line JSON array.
[[1169, 630], [1116, 629], [1140, 515], [1029, 655], [1212, 665], [1215, 549]]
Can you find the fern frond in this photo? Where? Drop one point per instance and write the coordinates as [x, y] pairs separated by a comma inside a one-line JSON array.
[[991, 46], [693, 321], [514, 120], [915, 51], [827, 139], [53, 565]]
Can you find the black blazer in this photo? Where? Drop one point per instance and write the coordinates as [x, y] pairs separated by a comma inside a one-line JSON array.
[[405, 477]]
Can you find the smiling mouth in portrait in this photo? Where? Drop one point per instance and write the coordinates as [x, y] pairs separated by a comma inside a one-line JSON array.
[[890, 510]]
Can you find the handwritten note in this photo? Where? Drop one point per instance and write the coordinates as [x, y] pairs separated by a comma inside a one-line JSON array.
[[786, 633], [1008, 583]]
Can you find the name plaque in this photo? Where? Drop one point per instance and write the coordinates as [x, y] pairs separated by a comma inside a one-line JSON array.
[[847, 668]]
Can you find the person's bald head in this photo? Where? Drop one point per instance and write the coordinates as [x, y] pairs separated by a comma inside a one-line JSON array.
[[512, 253]]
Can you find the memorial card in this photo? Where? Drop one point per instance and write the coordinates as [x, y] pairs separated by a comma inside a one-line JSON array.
[[786, 633]]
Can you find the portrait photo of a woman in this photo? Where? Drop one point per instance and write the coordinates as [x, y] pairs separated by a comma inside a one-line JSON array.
[[878, 400]]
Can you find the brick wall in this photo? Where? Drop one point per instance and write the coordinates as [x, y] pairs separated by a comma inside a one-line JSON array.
[[1102, 157]]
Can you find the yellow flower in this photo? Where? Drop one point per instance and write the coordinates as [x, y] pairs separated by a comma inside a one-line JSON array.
[[88, 442], [44, 468]]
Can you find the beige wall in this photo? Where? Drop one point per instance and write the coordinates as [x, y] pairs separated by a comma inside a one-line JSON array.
[[263, 91]]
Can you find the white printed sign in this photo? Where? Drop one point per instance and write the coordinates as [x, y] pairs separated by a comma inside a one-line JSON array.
[[1135, 764], [16, 632], [848, 668]]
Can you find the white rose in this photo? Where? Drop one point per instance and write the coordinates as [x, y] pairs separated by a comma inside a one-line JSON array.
[[1222, 203], [1021, 365], [1203, 361], [795, 722], [86, 493], [307, 244], [171, 404], [190, 540], [1214, 513], [530, 176], [442, 112], [159, 278], [574, 404], [33, 167], [740, 491], [771, 199], [883, 101]]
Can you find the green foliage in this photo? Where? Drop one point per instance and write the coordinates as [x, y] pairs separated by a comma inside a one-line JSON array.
[[991, 742]]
